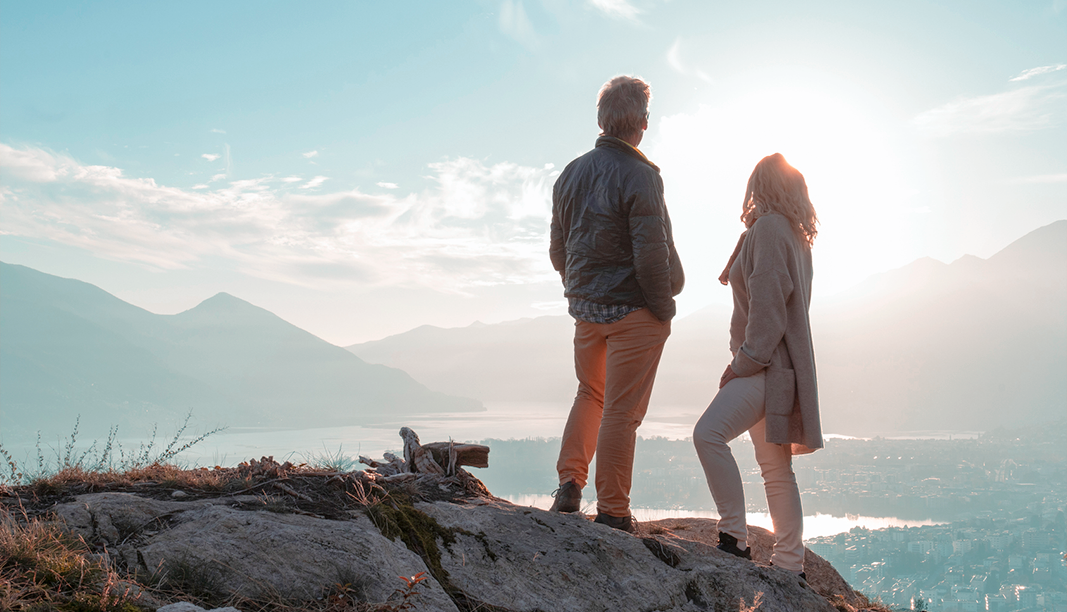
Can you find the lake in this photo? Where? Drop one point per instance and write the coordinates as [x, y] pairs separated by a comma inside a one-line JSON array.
[[499, 421], [815, 526]]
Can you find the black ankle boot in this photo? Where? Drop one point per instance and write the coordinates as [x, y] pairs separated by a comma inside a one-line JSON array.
[[728, 544]]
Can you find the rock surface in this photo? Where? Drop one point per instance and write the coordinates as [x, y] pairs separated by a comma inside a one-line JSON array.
[[481, 553]]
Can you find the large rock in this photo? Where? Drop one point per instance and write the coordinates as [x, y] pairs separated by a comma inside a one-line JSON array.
[[254, 553], [482, 553], [525, 559]]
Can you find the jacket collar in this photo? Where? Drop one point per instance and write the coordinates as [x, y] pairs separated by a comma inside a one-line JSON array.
[[622, 145]]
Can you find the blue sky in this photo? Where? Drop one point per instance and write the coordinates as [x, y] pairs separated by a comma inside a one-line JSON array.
[[364, 168]]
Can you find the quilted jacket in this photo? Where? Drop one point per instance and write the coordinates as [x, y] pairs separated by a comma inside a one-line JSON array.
[[611, 235]]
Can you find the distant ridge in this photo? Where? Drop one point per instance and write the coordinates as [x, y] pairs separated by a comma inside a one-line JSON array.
[[971, 345], [68, 348]]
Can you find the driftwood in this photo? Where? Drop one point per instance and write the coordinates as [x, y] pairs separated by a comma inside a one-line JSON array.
[[473, 455], [435, 458], [389, 466], [418, 459]]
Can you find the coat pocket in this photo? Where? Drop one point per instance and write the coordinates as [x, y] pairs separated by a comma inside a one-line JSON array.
[[781, 391]]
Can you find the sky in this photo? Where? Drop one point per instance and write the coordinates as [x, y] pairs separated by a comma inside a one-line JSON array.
[[361, 169]]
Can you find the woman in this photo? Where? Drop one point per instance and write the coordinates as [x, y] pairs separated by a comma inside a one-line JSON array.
[[769, 388]]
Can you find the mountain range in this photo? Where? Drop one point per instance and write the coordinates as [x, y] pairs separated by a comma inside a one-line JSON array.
[[967, 346], [69, 349]]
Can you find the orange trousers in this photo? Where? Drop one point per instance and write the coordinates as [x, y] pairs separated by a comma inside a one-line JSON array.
[[616, 366]]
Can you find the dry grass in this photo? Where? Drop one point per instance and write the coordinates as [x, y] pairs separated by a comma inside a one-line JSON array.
[[167, 476], [42, 567], [756, 602]]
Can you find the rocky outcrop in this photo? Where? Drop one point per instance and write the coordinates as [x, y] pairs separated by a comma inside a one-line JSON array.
[[481, 553]]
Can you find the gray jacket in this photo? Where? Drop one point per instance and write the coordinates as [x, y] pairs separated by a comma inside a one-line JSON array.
[[771, 281], [611, 235]]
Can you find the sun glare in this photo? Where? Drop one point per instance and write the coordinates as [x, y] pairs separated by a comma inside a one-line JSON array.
[[849, 160]]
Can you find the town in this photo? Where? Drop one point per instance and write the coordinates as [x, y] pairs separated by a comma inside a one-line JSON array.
[[998, 500]]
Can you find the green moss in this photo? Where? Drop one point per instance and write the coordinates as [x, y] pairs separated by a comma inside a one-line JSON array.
[[397, 517], [418, 531]]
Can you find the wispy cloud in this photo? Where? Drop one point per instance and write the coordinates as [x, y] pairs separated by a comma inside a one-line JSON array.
[[617, 8], [315, 182], [211, 156], [217, 131], [292, 179], [385, 185], [1040, 179], [514, 22], [478, 225], [1028, 108], [674, 58], [217, 177], [310, 154], [1033, 72]]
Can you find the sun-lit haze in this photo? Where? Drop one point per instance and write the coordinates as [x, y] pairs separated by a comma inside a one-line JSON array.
[[363, 169]]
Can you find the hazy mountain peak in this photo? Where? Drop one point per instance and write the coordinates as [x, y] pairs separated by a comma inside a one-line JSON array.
[[224, 305], [224, 300], [967, 260], [70, 348], [1043, 246]]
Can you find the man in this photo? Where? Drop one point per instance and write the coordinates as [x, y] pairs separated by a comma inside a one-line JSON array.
[[612, 245]]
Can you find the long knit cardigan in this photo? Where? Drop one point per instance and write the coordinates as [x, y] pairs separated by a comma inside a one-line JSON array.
[[770, 329]]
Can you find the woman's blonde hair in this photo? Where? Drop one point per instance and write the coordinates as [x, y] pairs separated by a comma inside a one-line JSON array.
[[777, 187]]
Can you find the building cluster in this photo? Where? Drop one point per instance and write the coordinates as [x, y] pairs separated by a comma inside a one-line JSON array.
[[998, 562], [908, 479]]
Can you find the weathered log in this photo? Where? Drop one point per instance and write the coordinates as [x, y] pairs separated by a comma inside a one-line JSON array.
[[473, 455], [417, 458], [390, 465]]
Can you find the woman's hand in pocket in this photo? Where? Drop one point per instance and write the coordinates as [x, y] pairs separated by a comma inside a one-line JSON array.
[[727, 376]]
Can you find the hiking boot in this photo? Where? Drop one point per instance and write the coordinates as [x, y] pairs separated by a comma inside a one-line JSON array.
[[625, 523], [728, 544], [568, 498]]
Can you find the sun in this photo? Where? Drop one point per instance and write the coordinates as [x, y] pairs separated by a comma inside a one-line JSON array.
[[847, 155]]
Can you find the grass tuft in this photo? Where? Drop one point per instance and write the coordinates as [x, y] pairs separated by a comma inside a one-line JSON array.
[[70, 462], [44, 568], [333, 461]]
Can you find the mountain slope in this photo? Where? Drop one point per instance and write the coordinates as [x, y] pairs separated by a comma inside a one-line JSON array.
[[68, 348], [970, 345], [527, 360]]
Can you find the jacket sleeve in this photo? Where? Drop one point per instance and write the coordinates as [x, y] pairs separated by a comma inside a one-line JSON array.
[[557, 249], [769, 288], [677, 274], [650, 238]]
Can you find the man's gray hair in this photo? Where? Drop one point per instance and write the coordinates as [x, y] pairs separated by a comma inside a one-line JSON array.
[[622, 106]]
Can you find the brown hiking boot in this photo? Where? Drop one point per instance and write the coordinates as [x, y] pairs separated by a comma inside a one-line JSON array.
[[568, 498], [625, 523]]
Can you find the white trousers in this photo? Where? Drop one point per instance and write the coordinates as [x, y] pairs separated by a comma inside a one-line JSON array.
[[739, 407]]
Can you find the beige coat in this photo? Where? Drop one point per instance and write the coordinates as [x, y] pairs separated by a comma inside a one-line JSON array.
[[771, 280]]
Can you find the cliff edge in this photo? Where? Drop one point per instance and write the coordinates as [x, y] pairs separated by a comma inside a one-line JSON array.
[[264, 536]]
